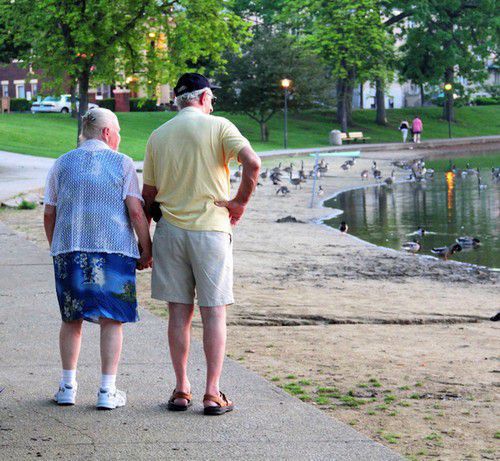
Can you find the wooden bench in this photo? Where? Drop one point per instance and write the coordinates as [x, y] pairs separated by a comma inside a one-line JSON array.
[[353, 136]]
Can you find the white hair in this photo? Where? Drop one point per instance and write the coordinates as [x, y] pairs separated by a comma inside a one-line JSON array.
[[95, 120], [185, 99]]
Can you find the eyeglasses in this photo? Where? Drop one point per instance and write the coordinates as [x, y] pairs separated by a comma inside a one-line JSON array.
[[214, 98]]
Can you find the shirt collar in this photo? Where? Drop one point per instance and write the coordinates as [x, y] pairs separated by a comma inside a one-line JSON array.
[[92, 145], [190, 109]]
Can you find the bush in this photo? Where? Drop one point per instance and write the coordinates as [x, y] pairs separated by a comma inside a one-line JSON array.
[[20, 105], [108, 103], [486, 101], [142, 105]]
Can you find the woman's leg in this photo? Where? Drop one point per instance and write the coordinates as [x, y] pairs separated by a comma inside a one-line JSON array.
[[111, 345], [70, 340]]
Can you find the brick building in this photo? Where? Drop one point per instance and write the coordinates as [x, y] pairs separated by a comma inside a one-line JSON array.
[[18, 82]]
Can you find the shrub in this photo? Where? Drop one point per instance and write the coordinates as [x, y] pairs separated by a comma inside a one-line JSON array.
[[142, 105], [486, 101], [108, 103], [20, 105]]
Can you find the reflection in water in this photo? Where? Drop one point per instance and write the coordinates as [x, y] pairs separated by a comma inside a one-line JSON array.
[[448, 207]]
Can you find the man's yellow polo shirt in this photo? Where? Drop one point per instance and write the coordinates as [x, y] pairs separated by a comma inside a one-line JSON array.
[[187, 161]]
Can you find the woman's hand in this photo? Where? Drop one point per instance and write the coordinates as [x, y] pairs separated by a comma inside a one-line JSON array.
[[145, 261]]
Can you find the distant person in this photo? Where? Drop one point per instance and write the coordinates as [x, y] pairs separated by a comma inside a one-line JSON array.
[[93, 204], [186, 170], [404, 127], [417, 128]]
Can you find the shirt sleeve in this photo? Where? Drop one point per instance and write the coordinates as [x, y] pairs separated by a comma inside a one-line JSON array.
[[131, 181], [51, 187], [232, 140], [148, 168]]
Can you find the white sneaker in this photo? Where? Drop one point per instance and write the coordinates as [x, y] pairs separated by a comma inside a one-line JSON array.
[[108, 400], [66, 395]]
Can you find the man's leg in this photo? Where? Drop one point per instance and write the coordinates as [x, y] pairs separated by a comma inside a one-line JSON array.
[[214, 344], [179, 340]]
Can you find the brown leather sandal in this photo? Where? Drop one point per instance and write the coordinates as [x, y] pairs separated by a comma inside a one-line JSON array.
[[179, 395], [223, 404]]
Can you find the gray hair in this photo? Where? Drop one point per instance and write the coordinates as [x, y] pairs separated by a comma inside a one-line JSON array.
[[95, 120], [184, 100]]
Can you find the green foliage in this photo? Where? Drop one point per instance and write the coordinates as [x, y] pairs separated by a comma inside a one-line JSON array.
[[25, 205], [20, 105], [108, 103], [251, 83], [142, 105], [293, 388], [486, 101]]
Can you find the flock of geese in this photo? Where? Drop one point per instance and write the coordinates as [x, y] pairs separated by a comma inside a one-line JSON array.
[[417, 172]]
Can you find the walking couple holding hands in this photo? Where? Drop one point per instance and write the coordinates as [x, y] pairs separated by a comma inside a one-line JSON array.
[[94, 210]]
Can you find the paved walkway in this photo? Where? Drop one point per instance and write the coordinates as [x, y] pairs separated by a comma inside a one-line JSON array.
[[268, 423]]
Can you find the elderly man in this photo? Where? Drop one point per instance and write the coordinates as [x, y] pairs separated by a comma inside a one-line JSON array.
[[186, 171]]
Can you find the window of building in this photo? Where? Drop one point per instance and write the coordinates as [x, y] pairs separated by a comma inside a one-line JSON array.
[[20, 91], [34, 89], [391, 102], [5, 90]]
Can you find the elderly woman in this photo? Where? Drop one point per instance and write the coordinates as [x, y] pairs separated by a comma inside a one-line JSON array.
[[92, 207]]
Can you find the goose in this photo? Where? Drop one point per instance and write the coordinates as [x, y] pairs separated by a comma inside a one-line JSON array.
[[275, 181], [421, 231], [446, 252], [345, 166], [283, 190], [364, 175], [351, 162], [377, 174], [468, 241], [264, 174], [302, 174], [277, 169], [411, 247], [343, 227], [390, 181], [322, 166], [275, 177], [321, 191], [288, 169], [315, 172], [495, 173], [296, 181]]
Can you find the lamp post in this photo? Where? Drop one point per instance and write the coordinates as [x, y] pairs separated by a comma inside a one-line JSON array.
[[285, 84], [448, 87]]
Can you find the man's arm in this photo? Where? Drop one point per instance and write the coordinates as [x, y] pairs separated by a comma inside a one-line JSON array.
[[49, 221], [148, 194], [251, 167]]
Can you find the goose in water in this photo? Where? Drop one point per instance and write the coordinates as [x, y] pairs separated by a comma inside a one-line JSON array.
[[343, 227], [468, 241]]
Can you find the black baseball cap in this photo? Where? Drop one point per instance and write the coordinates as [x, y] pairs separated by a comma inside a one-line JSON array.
[[190, 82]]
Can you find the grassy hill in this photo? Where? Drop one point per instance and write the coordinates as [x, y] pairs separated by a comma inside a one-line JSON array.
[[50, 135]]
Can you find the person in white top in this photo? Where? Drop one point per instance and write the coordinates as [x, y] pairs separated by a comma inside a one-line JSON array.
[[93, 204]]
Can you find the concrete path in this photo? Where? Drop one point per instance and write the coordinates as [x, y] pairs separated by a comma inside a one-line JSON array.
[[267, 424]]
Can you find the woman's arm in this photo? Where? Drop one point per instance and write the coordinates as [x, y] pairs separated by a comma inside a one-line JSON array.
[[49, 221], [141, 227]]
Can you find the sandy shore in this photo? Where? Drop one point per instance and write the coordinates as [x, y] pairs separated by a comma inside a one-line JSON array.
[[398, 346]]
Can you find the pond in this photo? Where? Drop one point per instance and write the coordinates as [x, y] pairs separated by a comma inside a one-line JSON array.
[[447, 207]]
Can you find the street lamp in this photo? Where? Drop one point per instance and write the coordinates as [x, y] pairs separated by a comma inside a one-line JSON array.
[[285, 84], [448, 87]]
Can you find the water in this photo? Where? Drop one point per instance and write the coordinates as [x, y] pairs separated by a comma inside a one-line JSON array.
[[449, 206]]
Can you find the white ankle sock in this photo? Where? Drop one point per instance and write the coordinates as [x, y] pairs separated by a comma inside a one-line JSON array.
[[68, 377], [108, 382]]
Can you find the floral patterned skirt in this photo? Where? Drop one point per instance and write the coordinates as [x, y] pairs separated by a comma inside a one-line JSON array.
[[94, 285]]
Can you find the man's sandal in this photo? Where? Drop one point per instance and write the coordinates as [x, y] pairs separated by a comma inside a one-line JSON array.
[[223, 404], [179, 395]]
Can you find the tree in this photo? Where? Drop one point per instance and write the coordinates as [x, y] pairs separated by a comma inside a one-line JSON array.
[[80, 40], [251, 83], [449, 39], [346, 34]]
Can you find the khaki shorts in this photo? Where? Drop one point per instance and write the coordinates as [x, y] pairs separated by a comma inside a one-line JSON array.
[[186, 260]]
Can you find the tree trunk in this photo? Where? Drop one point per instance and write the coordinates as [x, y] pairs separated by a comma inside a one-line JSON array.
[[72, 92], [83, 94], [350, 92], [381, 118], [264, 132], [448, 109], [361, 96], [342, 104], [422, 95]]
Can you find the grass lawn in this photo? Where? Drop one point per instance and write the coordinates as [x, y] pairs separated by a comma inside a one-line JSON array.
[[50, 135], [482, 161]]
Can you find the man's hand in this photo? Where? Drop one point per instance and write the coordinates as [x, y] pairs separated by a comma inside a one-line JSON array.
[[235, 208], [145, 261]]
